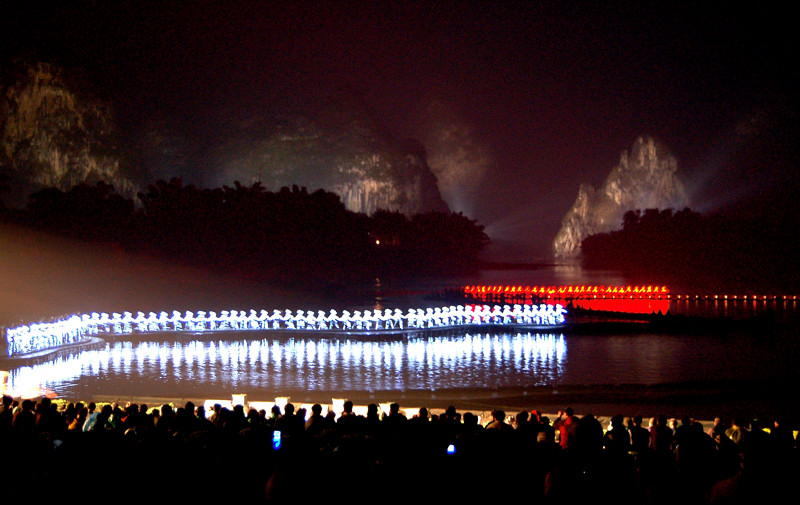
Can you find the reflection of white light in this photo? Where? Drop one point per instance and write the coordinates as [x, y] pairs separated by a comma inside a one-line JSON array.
[[414, 363], [177, 356], [277, 351], [241, 348]]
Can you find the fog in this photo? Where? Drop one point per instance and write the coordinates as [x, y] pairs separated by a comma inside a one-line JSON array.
[[43, 276]]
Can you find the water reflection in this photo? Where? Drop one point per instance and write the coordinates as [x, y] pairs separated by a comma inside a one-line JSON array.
[[643, 306], [218, 366]]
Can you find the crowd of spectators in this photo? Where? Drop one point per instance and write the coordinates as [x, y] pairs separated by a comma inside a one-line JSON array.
[[128, 451]]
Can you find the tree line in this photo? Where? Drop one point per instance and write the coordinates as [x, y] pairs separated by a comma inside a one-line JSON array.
[[729, 250], [291, 235]]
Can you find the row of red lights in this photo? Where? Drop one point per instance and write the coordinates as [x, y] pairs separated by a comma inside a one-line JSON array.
[[607, 291], [567, 290], [736, 297]]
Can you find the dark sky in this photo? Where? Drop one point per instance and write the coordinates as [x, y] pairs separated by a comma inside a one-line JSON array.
[[546, 94]]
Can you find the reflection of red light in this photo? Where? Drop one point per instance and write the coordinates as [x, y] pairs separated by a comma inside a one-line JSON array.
[[630, 306]]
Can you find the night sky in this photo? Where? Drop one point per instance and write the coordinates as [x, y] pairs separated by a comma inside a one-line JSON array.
[[546, 94]]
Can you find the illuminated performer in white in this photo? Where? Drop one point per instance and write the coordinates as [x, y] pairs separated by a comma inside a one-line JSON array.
[[237, 320], [251, 320], [263, 318], [332, 320], [347, 321], [374, 320], [516, 314], [415, 318], [385, 319], [311, 320], [127, 321], [222, 320], [504, 315], [560, 313], [288, 320], [427, 318], [528, 313], [397, 318], [366, 321], [458, 315], [485, 314], [87, 323], [471, 314], [299, 320], [139, 321], [195, 321], [275, 319], [177, 320], [319, 320]]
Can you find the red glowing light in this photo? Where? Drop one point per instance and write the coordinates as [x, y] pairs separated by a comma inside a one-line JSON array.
[[572, 291]]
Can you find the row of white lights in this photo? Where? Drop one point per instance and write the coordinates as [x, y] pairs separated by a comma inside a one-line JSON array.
[[40, 336]]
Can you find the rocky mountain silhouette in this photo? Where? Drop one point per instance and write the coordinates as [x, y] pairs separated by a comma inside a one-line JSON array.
[[339, 147], [645, 178], [55, 133]]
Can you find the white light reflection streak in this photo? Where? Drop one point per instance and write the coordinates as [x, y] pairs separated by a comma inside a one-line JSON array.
[[443, 361]]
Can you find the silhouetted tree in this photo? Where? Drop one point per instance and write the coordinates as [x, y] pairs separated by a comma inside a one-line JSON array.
[[289, 235], [88, 212], [724, 250]]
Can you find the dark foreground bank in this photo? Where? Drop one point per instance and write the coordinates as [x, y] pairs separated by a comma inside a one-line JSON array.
[[124, 453]]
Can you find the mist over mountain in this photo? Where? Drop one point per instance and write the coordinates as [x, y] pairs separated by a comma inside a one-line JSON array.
[[645, 178], [55, 133], [339, 147]]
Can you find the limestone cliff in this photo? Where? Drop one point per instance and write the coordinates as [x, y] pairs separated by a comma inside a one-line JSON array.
[[53, 135], [339, 148], [645, 178]]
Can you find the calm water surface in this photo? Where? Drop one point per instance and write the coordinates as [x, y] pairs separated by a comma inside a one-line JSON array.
[[265, 365], [268, 366]]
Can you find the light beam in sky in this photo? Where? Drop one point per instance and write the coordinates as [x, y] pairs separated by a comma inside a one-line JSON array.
[[456, 154]]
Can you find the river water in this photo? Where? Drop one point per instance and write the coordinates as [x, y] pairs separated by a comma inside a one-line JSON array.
[[264, 365]]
